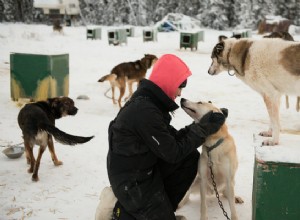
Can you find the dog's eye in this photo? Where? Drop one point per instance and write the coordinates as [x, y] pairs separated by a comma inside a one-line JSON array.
[[209, 102], [199, 102]]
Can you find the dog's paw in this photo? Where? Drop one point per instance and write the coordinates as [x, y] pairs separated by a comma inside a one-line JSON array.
[[35, 178], [204, 218], [180, 217], [238, 200], [234, 218], [269, 142], [30, 170], [58, 163], [266, 133]]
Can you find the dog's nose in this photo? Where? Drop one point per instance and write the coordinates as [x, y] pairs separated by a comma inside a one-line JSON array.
[[73, 111], [210, 72]]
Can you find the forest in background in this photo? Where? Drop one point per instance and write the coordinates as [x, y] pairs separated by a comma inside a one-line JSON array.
[[215, 14]]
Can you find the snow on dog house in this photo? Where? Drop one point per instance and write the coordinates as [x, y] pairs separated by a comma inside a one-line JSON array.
[[273, 23], [276, 186], [177, 22]]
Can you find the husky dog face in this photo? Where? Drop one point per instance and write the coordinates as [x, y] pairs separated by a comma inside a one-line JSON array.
[[219, 60], [197, 109]]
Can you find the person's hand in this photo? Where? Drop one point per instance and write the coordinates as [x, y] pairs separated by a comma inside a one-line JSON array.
[[213, 117], [211, 122]]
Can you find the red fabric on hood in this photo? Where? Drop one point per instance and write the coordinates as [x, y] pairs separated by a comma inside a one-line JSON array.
[[168, 73]]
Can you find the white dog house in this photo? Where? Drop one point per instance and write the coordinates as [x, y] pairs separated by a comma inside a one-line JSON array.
[[57, 9]]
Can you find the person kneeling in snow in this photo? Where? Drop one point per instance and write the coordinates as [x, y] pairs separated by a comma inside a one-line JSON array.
[[150, 164]]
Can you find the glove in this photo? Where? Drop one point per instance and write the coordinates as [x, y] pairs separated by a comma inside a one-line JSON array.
[[211, 122]]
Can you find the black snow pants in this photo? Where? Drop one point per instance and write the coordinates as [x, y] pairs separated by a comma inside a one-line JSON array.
[[156, 198]]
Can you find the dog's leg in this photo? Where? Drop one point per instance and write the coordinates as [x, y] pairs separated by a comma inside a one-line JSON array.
[[35, 176], [27, 153], [229, 193], [287, 104], [122, 91], [298, 104], [130, 90], [203, 186], [113, 93], [272, 104], [29, 156], [52, 151]]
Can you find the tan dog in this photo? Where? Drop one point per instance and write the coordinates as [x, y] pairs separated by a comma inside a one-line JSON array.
[[222, 150], [129, 72], [269, 66]]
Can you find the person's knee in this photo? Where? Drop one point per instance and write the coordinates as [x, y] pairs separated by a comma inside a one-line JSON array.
[[192, 159]]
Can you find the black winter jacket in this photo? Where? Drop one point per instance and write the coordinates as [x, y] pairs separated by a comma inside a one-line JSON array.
[[141, 135]]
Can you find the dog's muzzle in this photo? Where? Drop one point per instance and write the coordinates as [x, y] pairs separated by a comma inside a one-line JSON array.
[[73, 111], [182, 101]]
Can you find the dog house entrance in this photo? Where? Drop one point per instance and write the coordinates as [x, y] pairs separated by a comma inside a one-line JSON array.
[[111, 35], [148, 34], [186, 39]]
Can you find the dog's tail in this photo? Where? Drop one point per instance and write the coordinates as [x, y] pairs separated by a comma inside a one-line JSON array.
[[63, 137], [108, 77]]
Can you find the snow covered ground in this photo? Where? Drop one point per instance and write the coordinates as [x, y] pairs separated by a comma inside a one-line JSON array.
[[71, 191]]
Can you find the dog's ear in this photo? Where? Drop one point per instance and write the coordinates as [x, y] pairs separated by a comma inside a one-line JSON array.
[[50, 101], [53, 102], [224, 111], [218, 49]]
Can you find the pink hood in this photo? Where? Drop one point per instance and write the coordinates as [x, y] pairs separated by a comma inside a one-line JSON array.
[[168, 73]]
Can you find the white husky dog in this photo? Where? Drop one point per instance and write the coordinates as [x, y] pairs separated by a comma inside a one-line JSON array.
[[269, 66]]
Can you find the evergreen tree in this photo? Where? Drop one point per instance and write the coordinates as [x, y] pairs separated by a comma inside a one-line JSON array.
[[244, 14], [216, 14], [16, 10], [297, 18], [1, 11]]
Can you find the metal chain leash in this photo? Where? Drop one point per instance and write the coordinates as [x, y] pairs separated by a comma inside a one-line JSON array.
[[210, 164]]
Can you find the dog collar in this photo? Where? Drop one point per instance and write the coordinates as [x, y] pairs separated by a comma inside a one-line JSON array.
[[220, 141], [231, 65]]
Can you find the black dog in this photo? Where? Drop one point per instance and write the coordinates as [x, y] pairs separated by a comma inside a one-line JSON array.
[[37, 122], [280, 34]]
